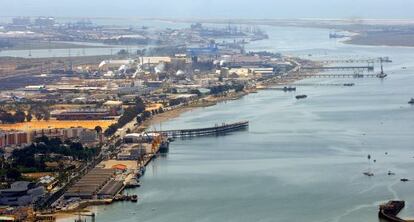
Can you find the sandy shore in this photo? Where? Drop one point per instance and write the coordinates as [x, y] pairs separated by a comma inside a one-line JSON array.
[[203, 102]]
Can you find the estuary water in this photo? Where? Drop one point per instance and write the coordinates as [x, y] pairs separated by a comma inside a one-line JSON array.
[[300, 160]]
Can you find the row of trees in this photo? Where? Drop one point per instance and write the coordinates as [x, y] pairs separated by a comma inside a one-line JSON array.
[[224, 88], [20, 116], [7, 117], [129, 114], [147, 114], [34, 156]]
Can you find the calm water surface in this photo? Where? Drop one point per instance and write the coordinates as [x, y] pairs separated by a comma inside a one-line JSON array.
[[299, 160]]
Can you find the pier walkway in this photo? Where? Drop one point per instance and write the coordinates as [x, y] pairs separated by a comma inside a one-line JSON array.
[[359, 68], [216, 130], [369, 60], [324, 75]]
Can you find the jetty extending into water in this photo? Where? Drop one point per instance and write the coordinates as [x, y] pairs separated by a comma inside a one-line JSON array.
[[333, 75], [216, 130], [324, 68], [369, 60]]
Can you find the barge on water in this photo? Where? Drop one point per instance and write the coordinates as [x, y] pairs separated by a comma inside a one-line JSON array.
[[390, 210]]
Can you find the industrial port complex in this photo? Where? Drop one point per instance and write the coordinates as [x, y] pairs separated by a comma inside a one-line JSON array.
[[76, 130], [73, 129]]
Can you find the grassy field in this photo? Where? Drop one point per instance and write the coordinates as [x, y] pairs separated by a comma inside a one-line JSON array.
[[34, 124]]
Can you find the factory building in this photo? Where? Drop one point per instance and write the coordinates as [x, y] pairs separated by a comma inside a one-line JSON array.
[[21, 193], [22, 138], [13, 138], [92, 183]]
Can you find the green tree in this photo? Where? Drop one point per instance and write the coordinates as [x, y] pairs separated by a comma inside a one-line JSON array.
[[29, 117], [139, 119], [146, 114], [46, 115], [98, 129], [19, 116], [38, 115], [13, 174], [111, 130]]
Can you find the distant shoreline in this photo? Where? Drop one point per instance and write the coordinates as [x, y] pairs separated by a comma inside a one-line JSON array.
[[368, 32], [40, 44], [382, 39]]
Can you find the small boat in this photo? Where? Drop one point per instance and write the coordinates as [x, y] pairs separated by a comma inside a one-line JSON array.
[[381, 75], [370, 174], [390, 173], [301, 96], [134, 182], [142, 170], [349, 84], [289, 88], [164, 147], [403, 67], [336, 36], [411, 101], [134, 198], [404, 180]]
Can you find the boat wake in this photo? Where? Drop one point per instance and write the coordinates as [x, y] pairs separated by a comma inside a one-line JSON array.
[[392, 191]]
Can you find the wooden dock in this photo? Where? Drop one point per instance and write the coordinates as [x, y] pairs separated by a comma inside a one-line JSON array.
[[216, 130]]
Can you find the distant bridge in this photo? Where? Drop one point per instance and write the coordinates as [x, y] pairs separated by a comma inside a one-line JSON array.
[[216, 130]]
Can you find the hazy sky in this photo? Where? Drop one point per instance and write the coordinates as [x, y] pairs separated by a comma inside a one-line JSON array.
[[212, 8]]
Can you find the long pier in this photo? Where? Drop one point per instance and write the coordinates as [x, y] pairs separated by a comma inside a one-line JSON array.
[[370, 60], [360, 68], [216, 130], [324, 75]]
